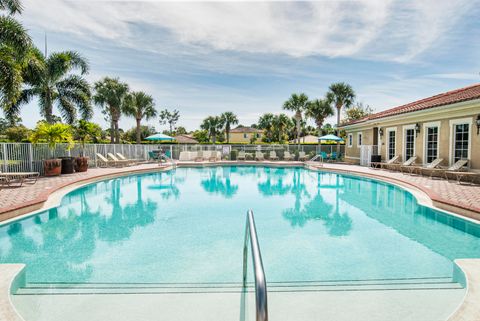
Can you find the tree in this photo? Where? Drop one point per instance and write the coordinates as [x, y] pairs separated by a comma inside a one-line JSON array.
[[145, 131], [356, 112], [327, 129], [17, 133], [52, 134], [340, 95], [86, 130], [56, 85], [228, 119], [109, 95], [318, 110], [281, 123], [139, 105], [213, 125], [180, 131], [201, 136], [170, 118], [267, 123], [297, 103]]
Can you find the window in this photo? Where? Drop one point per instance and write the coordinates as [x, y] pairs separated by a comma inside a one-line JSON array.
[[431, 148], [460, 145], [245, 135], [409, 143], [350, 140], [258, 135], [391, 144], [359, 139]]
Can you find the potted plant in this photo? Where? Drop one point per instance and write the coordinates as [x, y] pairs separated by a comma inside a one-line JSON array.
[[52, 134], [83, 131]]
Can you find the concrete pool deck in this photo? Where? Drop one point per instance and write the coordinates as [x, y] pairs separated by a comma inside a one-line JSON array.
[[462, 199]]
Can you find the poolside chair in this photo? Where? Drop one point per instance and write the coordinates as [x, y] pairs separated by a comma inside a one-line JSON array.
[[273, 155], [418, 169], [199, 156], [259, 156], [323, 156], [215, 156], [302, 156], [123, 158], [117, 161], [381, 165], [408, 164], [398, 166], [184, 156], [104, 162], [18, 177], [333, 156], [442, 172], [206, 155], [241, 155], [287, 156]]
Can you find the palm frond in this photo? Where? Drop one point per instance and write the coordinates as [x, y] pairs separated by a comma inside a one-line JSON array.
[[12, 6], [67, 109], [13, 34], [77, 91]]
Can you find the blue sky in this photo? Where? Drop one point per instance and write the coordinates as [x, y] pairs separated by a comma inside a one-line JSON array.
[[248, 57]]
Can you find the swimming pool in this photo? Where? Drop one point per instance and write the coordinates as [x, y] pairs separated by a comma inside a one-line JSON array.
[[187, 225]]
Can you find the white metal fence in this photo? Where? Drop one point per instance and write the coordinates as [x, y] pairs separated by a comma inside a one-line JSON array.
[[26, 157]]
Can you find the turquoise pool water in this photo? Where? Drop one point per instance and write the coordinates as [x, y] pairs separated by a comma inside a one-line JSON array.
[[188, 225]]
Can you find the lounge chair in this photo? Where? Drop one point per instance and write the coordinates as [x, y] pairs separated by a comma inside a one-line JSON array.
[[184, 156], [273, 155], [215, 156], [206, 155], [323, 156], [287, 156], [381, 165], [154, 156], [259, 156], [131, 161], [408, 164], [302, 156], [241, 155], [101, 160], [444, 172], [118, 162], [418, 169], [18, 177]]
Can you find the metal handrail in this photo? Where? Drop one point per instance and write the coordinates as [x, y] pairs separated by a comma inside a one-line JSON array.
[[260, 281]]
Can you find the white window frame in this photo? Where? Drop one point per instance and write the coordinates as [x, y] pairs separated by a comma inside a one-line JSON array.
[[387, 141], [404, 141], [350, 140], [437, 124], [460, 121], [359, 139]]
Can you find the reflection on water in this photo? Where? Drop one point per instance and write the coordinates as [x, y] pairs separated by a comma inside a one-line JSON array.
[[187, 225]]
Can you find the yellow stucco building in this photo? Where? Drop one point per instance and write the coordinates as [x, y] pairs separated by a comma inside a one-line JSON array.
[[445, 126], [245, 135]]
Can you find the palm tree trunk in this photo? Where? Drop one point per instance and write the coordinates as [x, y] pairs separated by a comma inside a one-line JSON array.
[[117, 133], [339, 109], [112, 132], [49, 109], [214, 138], [138, 131], [298, 133]]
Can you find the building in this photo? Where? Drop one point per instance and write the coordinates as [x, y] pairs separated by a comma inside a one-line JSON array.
[[245, 135], [185, 139], [443, 126], [308, 139]]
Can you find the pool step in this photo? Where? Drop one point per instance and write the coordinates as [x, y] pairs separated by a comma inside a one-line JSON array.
[[185, 288]]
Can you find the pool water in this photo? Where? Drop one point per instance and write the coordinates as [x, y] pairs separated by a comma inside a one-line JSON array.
[[188, 225]]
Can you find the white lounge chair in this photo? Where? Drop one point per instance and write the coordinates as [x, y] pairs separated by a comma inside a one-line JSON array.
[[287, 156], [259, 156], [391, 161], [302, 156], [409, 163], [273, 155], [418, 169], [102, 161], [241, 155], [117, 161], [444, 172], [123, 158], [18, 177]]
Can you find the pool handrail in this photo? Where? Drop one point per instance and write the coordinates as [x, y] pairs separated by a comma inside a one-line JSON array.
[[260, 281]]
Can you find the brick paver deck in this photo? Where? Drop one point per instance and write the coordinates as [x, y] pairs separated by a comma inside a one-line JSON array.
[[27, 197]]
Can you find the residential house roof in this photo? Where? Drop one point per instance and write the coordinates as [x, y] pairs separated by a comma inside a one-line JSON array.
[[246, 130], [185, 139]]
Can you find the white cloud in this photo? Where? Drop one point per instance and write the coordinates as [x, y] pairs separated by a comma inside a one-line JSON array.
[[386, 29]]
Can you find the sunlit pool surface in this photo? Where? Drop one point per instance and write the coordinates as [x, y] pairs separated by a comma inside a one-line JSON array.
[[188, 225]]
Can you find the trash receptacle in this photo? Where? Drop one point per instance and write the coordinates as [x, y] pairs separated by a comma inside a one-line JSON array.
[[375, 159]]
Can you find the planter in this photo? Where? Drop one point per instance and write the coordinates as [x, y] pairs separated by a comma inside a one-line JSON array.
[[52, 167], [81, 164], [67, 165]]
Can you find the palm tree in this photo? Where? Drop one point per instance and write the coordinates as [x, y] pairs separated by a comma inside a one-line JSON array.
[[318, 110], [298, 104], [18, 58], [228, 119], [213, 125], [282, 122], [56, 85], [266, 122], [139, 105], [110, 94]]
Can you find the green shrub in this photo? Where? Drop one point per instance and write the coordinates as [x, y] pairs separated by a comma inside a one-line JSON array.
[[233, 154]]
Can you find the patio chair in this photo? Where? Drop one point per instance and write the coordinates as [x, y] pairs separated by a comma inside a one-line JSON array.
[[381, 165], [117, 161], [102, 160], [410, 163], [302, 156], [123, 158], [333, 156], [199, 157], [18, 177], [206, 155], [215, 156], [259, 156], [398, 166], [418, 169], [154, 156], [442, 172], [241, 155], [287, 156], [184, 156], [273, 155], [323, 156]]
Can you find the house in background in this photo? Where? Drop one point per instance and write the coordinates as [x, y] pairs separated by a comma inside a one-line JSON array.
[[308, 139], [185, 139], [245, 135], [443, 126]]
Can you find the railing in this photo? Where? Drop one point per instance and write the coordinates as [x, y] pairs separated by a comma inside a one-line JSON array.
[[260, 281]]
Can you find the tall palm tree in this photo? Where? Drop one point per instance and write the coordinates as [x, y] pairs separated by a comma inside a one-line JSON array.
[[18, 57], [57, 85], [213, 125], [340, 95], [318, 110], [228, 119], [266, 122], [282, 122], [109, 95], [298, 104], [139, 105]]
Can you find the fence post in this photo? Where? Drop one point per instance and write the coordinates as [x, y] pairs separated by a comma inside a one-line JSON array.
[[95, 154], [30, 157], [5, 157]]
